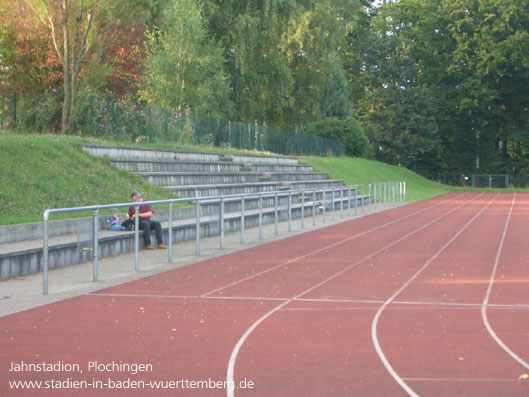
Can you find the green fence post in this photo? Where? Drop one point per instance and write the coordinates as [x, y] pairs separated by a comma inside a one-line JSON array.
[[249, 139], [92, 132], [113, 124], [239, 129], [229, 132], [14, 108]]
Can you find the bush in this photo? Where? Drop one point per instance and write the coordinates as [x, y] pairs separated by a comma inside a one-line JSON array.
[[40, 112], [347, 130]]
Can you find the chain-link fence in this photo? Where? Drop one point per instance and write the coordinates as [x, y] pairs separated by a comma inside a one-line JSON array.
[[96, 116]]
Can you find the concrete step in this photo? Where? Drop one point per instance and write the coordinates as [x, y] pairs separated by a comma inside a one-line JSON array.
[[197, 166], [25, 257], [132, 153], [249, 188], [203, 178]]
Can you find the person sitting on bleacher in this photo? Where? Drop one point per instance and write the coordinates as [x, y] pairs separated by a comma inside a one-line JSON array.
[[145, 222], [113, 222]]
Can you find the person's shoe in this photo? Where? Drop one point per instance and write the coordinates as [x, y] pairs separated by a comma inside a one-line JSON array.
[[149, 247], [162, 246]]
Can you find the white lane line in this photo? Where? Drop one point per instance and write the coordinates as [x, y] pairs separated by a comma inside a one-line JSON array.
[[327, 247], [374, 324], [464, 305], [237, 348], [240, 298], [444, 305], [235, 352], [460, 380], [487, 296]]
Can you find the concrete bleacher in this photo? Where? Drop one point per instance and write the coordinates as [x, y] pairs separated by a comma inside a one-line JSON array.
[[188, 174]]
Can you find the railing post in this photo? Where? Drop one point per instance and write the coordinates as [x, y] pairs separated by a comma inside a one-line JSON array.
[[95, 250], [136, 238], [197, 232], [341, 202], [324, 205], [369, 198], [363, 194], [303, 209], [290, 211], [332, 204], [313, 207], [170, 235], [260, 216], [356, 199], [242, 220], [45, 255], [221, 223], [275, 215]]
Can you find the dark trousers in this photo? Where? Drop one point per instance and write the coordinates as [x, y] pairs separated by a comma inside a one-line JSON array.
[[147, 226]]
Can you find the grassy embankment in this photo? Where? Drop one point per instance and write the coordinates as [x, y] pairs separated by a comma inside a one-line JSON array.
[[46, 171], [362, 171], [51, 171]]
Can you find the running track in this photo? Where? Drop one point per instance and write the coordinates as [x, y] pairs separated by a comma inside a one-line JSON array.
[[429, 299]]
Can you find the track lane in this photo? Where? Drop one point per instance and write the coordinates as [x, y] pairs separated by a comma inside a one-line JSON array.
[[452, 347], [162, 320], [272, 319]]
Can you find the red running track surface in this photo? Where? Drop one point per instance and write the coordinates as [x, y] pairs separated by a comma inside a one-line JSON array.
[[429, 299]]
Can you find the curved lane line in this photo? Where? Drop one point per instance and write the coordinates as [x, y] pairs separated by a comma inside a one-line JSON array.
[[487, 296], [374, 324], [233, 357]]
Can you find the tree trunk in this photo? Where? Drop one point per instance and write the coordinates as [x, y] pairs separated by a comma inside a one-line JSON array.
[[66, 106]]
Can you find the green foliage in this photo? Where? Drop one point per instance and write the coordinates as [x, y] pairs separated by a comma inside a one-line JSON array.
[[40, 111], [436, 84], [347, 130], [336, 101], [184, 68], [472, 55]]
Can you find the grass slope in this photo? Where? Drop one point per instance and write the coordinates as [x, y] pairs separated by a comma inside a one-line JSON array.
[[51, 171], [355, 171], [46, 171]]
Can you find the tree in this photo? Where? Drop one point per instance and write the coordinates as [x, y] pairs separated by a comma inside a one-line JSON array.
[[336, 101], [397, 112], [472, 54], [250, 34], [29, 62], [310, 45], [184, 67], [79, 29]]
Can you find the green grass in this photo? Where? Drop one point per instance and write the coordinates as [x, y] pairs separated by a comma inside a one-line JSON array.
[[355, 171], [51, 171]]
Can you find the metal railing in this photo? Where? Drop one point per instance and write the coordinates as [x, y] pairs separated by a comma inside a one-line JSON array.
[[393, 192]]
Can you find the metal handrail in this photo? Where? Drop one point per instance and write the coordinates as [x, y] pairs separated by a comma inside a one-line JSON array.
[[398, 187]]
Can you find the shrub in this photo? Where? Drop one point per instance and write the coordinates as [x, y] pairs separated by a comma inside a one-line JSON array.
[[347, 130]]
